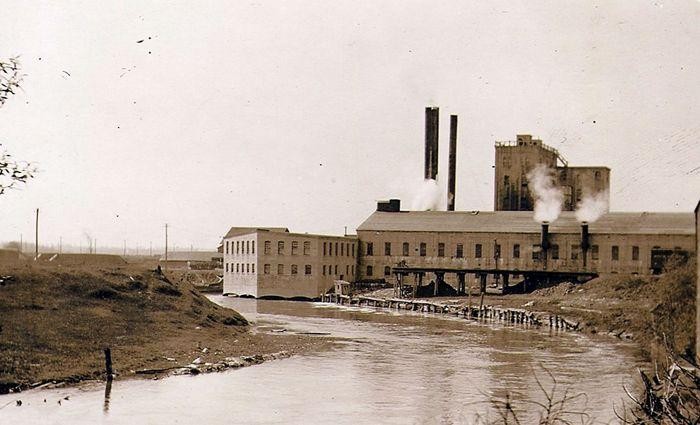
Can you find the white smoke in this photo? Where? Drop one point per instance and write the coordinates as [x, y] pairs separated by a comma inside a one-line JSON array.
[[592, 206], [427, 196], [548, 197]]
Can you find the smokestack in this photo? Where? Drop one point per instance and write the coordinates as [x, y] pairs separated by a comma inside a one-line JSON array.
[[452, 165], [585, 241], [544, 240], [432, 125]]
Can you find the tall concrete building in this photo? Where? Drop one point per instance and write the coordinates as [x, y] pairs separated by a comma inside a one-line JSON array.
[[515, 159]]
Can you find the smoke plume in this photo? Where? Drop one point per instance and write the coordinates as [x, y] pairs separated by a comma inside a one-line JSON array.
[[427, 196], [548, 197], [592, 207]]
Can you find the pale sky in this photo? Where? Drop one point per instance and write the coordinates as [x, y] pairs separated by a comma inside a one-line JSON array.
[[303, 113]]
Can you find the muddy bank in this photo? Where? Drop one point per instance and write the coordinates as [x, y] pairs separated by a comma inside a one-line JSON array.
[[56, 321]]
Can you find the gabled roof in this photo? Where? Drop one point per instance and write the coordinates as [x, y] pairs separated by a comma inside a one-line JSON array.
[[647, 223], [237, 231]]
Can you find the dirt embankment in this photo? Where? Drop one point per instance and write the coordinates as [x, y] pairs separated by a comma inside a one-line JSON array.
[[55, 322]]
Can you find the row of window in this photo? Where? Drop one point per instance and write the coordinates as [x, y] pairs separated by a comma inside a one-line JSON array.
[[478, 251], [346, 249], [240, 268], [239, 247], [328, 270]]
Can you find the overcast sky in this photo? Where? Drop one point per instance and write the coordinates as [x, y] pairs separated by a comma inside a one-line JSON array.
[[303, 113]]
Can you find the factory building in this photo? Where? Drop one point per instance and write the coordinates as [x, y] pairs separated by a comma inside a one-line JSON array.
[[451, 247], [515, 159], [511, 243], [274, 263]]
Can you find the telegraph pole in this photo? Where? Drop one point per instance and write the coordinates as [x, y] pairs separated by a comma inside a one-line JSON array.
[[60, 244], [36, 236], [166, 246]]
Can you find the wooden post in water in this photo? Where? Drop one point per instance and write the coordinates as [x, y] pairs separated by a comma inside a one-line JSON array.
[[482, 289], [108, 364]]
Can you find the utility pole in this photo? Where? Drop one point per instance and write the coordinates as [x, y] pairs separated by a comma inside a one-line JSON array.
[[36, 236], [166, 246], [60, 244]]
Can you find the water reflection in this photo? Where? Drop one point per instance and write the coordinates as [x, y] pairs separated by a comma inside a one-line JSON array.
[[391, 368], [108, 393]]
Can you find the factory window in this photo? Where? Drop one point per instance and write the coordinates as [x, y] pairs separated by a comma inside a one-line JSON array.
[[237, 242], [347, 249], [324, 249], [405, 249], [387, 270], [516, 250], [423, 249], [370, 249], [615, 253], [342, 249], [369, 270], [236, 267], [353, 250], [347, 269], [635, 253], [307, 269], [252, 268], [335, 270], [295, 247], [247, 247], [460, 251], [336, 249], [252, 247], [294, 269], [268, 247], [226, 267], [280, 269], [352, 270], [574, 252], [536, 252], [594, 252], [247, 268], [280, 248], [307, 248], [497, 251], [324, 269], [555, 252], [477, 251], [387, 248], [597, 175], [226, 249], [266, 269], [441, 249]]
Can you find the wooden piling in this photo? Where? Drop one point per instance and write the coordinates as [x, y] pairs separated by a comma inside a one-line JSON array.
[[108, 364]]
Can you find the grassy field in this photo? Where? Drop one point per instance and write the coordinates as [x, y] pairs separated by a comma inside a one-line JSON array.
[[55, 322]]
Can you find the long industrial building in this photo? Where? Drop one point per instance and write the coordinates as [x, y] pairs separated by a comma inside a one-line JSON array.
[[454, 245], [454, 248]]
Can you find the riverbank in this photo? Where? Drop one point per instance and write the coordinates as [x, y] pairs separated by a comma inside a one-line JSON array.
[[652, 311], [56, 321]]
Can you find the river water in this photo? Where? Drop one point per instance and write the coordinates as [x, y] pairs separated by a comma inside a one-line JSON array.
[[388, 367]]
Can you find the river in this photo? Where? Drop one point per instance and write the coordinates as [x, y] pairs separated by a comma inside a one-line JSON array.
[[388, 367]]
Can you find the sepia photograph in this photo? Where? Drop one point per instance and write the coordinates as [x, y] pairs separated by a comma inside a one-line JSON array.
[[349, 212]]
